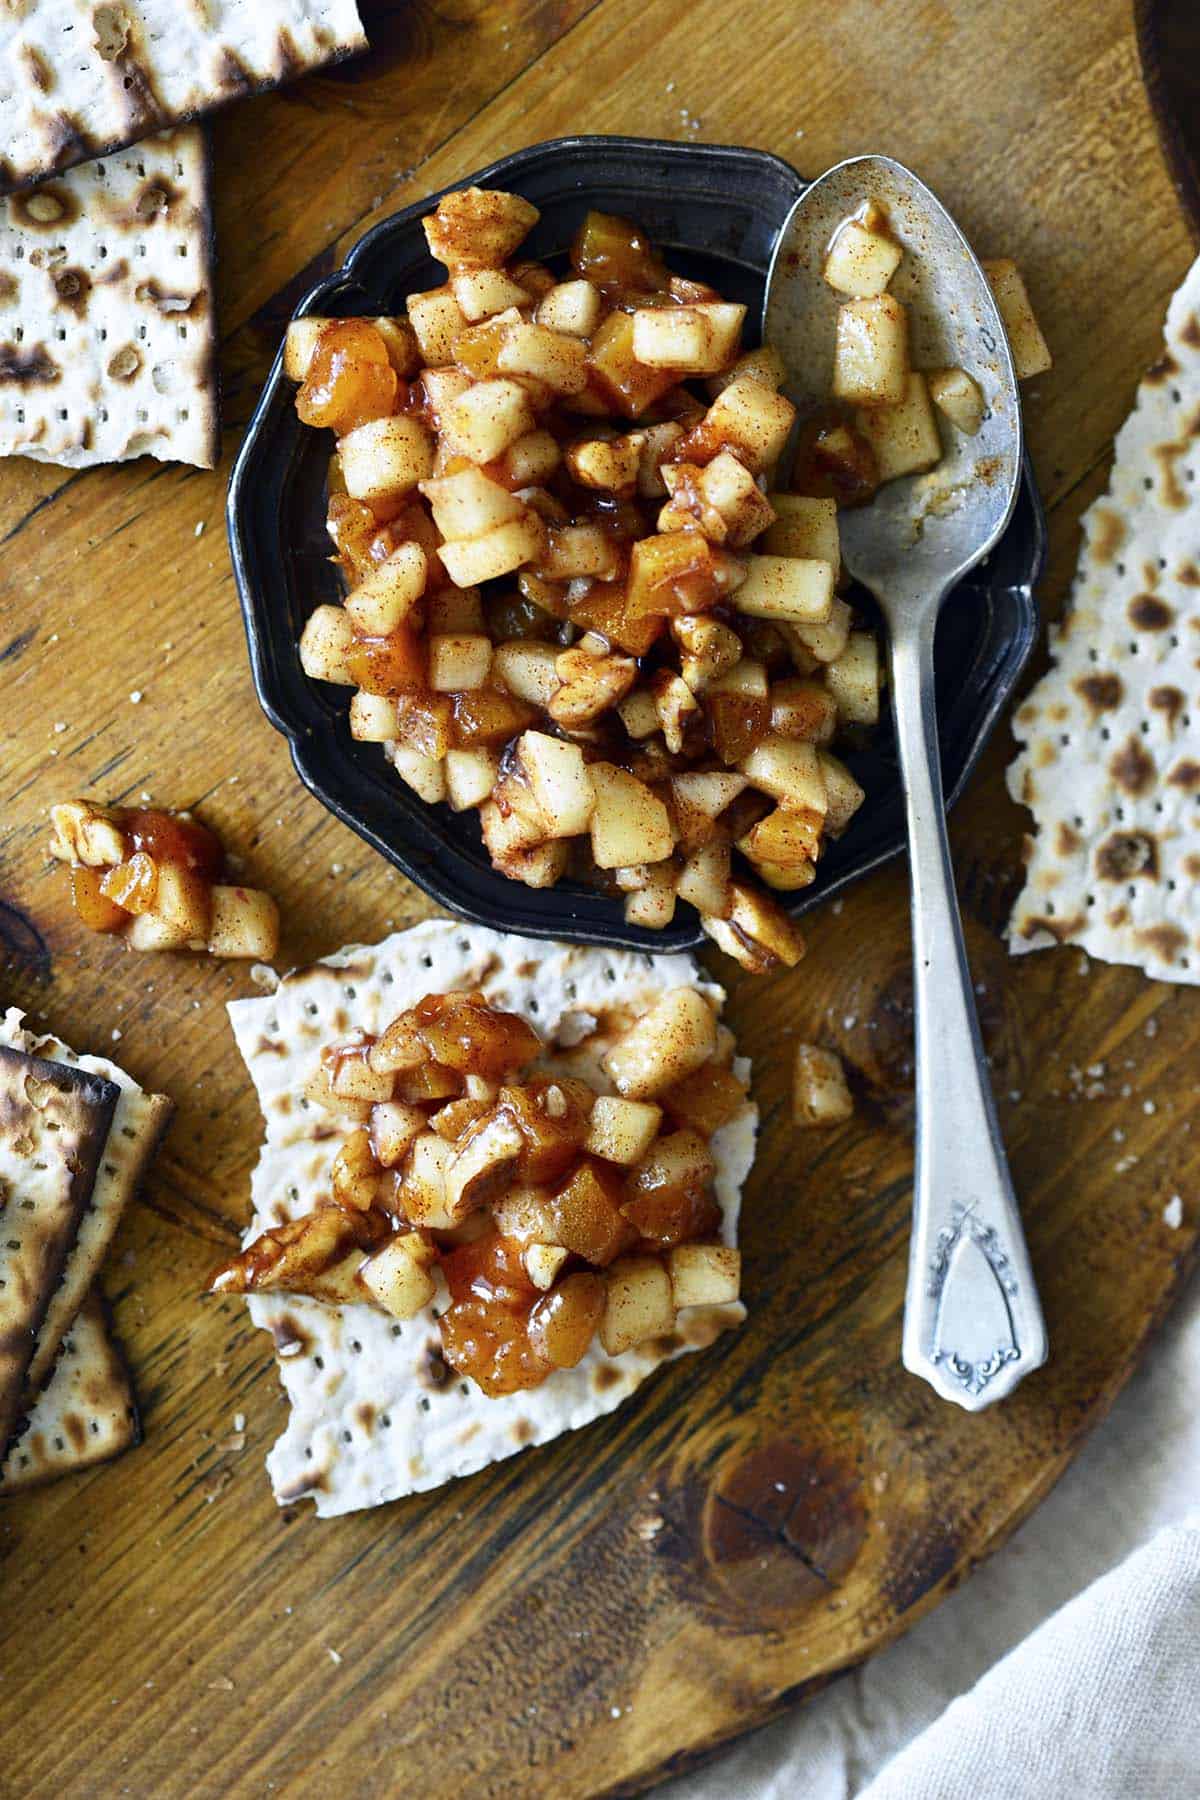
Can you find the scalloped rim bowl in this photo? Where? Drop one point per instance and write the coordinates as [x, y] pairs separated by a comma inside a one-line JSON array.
[[715, 212]]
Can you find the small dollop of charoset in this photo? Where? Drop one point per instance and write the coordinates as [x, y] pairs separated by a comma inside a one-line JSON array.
[[552, 1212], [158, 879]]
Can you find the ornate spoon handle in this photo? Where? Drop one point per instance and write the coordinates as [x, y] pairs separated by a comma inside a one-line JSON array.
[[972, 1320]]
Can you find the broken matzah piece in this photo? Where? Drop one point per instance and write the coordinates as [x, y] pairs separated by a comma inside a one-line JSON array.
[[107, 335], [54, 1122], [138, 1123], [84, 1415], [376, 1412], [79, 80], [1110, 764]]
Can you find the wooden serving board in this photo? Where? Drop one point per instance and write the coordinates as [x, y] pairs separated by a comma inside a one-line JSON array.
[[585, 1618]]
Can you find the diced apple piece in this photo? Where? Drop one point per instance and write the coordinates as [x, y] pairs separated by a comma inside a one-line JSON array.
[[325, 645], [824, 643], [803, 709], [442, 388], [244, 922], [627, 384], [497, 552], [757, 933], [470, 777], [467, 504], [424, 774], [861, 262], [701, 339], [459, 662], [819, 1092], [385, 458], [299, 343], [438, 321], [482, 292], [803, 527], [1030, 351], [739, 711], [563, 1323], [426, 723], [483, 422], [622, 1131], [655, 443], [478, 228], [704, 881], [796, 589], [399, 1276], [543, 1263], [537, 865], [843, 794], [592, 682], [528, 670], [181, 902], [609, 464], [680, 572], [452, 609], [629, 824], [383, 599], [675, 1036], [554, 357], [698, 799], [372, 718], [750, 419], [571, 306], [558, 780], [529, 462], [353, 1175], [704, 1274], [729, 487], [870, 364], [789, 837], [904, 438], [355, 1079], [638, 1303], [788, 770], [639, 715], [853, 680], [708, 649], [652, 905], [572, 551], [764, 365], [959, 396], [394, 1130], [400, 342]]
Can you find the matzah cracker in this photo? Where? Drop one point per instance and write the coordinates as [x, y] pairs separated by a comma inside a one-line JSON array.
[[79, 79], [137, 1125], [373, 1413], [84, 1416], [107, 335], [1111, 761], [54, 1122]]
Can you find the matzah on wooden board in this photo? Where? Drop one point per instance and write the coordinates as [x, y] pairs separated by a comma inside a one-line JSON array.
[[54, 1122], [85, 1414], [137, 1125], [107, 333], [79, 79], [1110, 765], [373, 1415]]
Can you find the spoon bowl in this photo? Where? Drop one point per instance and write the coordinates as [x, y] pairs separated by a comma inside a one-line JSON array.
[[972, 1322]]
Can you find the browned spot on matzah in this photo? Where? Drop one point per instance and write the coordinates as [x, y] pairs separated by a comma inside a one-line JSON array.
[[46, 208], [605, 1375], [1165, 940], [1125, 854], [73, 287], [1132, 768], [1101, 692], [522, 1431], [1168, 700], [433, 1371], [1068, 839], [1190, 333], [1172, 490], [34, 367], [1188, 575], [364, 1412], [1185, 775], [1061, 929], [1159, 373], [1149, 613]]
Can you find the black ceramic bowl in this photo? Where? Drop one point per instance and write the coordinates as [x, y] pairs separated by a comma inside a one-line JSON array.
[[715, 212]]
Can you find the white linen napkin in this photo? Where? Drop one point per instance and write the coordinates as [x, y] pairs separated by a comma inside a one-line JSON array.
[[1097, 1695]]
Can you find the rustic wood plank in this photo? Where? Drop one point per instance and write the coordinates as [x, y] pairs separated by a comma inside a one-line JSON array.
[[486, 1634]]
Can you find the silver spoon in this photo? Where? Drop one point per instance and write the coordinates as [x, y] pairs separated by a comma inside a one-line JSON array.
[[972, 1321]]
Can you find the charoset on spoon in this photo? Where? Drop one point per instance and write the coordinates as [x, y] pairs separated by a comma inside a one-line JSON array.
[[972, 1321]]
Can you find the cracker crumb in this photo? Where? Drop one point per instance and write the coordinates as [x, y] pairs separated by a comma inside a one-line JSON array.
[[648, 1528], [135, 698], [239, 1421], [335, 1656], [263, 976], [221, 1685], [116, 1034], [199, 531], [60, 724], [1149, 1107], [1173, 1212]]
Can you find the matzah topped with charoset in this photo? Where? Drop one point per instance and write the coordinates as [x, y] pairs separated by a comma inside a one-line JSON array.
[[1110, 764], [107, 335], [79, 78]]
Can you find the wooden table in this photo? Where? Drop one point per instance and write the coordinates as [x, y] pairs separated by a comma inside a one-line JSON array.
[[582, 1619]]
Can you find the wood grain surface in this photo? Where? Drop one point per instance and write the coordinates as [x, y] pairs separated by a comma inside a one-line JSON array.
[[583, 1619]]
